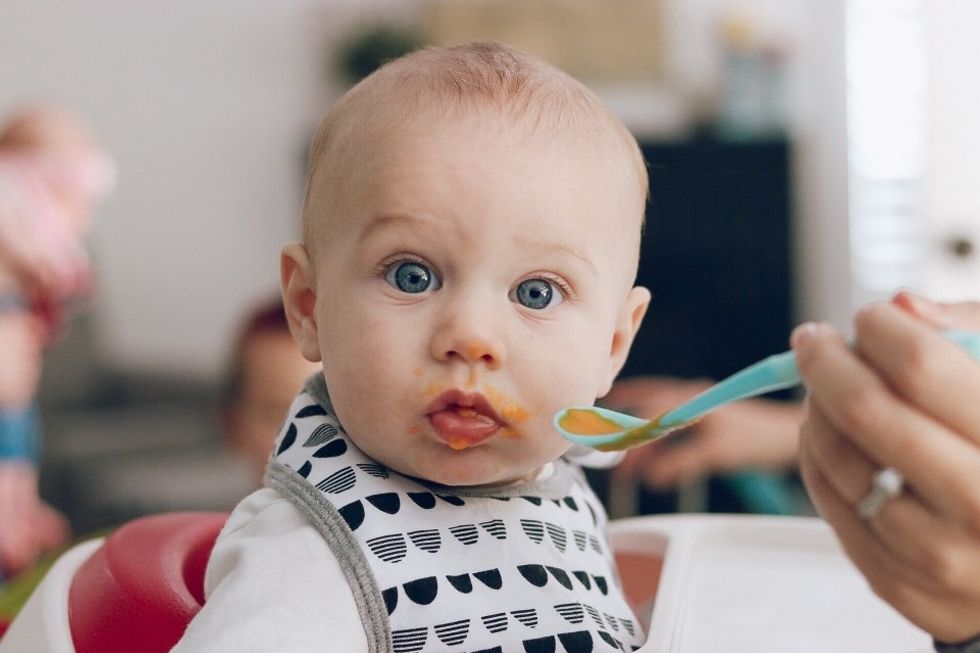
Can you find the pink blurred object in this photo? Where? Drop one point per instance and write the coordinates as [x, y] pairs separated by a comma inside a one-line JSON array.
[[39, 239]]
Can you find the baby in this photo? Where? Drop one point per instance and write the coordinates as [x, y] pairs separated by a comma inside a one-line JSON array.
[[470, 240]]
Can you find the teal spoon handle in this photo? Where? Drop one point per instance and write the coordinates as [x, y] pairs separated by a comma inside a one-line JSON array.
[[776, 372]]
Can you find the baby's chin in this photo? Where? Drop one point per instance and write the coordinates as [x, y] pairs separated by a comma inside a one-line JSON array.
[[462, 475]]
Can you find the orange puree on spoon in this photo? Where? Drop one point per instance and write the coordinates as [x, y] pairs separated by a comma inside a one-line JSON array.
[[586, 422]]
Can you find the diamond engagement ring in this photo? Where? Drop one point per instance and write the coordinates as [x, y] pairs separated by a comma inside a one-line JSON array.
[[885, 484]]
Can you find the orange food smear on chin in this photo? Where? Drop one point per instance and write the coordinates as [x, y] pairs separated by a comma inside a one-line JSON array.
[[587, 422]]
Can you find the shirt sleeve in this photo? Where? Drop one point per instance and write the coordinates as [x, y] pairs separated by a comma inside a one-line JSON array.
[[272, 584]]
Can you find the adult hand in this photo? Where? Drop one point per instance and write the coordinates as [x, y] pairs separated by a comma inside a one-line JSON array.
[[28, 526], [751, 434], [903, 397]]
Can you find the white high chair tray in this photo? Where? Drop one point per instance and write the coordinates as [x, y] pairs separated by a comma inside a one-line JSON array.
[[759, 584]]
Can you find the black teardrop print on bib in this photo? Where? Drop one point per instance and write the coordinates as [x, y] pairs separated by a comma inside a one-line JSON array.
[[490, 577], [427, 539], [495, 649], [561, 576], [340, 481], [570, 502], [389, 548], [533, 500], [409, 640], [495, 623], [557, 535], [462, 583], [583, 577], [453, 633], [595, 518], [452, 499], [310, 411], [600, 582], [579, 641], [528, 617], [540, 645], [534, 574], [390, 597], [424, 500], [288, 439], [609, 639], [305, 470], [353, 514], [321, 434], [387, 502], [332, 449], [376, 470], [465, 533], [573, 613], [533, 529], [422, 591], [496, 528]]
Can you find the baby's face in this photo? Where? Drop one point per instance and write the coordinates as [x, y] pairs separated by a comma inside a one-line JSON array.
[[471, 280]]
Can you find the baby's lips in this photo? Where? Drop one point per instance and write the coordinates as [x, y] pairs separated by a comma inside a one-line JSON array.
[[462, 427]]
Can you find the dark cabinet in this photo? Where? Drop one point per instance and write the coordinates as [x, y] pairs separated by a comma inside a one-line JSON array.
[[716, 257]]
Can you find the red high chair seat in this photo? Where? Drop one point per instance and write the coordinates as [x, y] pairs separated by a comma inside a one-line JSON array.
[[141, 588]]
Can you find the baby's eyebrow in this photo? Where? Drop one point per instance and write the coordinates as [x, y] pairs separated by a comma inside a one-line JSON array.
[[385, 221], [558, 248]]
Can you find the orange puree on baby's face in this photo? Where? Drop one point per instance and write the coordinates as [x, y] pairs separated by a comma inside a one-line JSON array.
[[586, 422]]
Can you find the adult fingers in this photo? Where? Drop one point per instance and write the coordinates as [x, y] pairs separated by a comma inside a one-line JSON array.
[[960, 315], [885, 428], [937, 554], [885, 573], [946, 616], [930, 372]]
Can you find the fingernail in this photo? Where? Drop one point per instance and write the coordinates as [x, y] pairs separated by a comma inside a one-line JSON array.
[[925, 307], [804, 333]]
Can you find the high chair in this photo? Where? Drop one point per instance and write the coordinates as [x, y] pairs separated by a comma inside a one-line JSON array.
[[737, 583], [135, 590], [750, 583]]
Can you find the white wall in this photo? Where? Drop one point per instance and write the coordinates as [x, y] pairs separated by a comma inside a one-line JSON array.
[[207, 111], [207, 107]]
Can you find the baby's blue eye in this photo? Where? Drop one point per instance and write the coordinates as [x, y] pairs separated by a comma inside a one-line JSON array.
[[412, 277], [537, 294]]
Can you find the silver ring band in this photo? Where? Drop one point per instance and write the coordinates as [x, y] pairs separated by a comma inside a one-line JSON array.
[[886, 483]]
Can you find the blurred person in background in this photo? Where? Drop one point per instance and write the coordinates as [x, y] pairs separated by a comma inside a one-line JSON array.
[[265, 373], [52, 172]]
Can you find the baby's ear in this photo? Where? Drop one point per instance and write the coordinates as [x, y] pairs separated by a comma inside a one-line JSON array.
[[627, 324], [299, 299]]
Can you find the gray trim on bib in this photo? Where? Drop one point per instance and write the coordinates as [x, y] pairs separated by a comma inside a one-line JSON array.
[[347, 550]]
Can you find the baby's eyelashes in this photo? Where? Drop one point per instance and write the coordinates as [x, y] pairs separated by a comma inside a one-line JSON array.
[[412, 277]]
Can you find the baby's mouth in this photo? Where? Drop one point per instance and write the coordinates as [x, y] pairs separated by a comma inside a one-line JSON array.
[[463, 420]]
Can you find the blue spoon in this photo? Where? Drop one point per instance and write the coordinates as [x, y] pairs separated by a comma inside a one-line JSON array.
[[608, 430]]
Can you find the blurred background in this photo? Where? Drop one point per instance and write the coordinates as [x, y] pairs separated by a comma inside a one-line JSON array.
[[805, 158]]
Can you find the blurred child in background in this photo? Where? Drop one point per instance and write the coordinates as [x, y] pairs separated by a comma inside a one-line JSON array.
[[265, 373], [52, 172]]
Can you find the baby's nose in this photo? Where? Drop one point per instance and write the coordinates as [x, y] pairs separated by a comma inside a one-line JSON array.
[[469, 341]]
